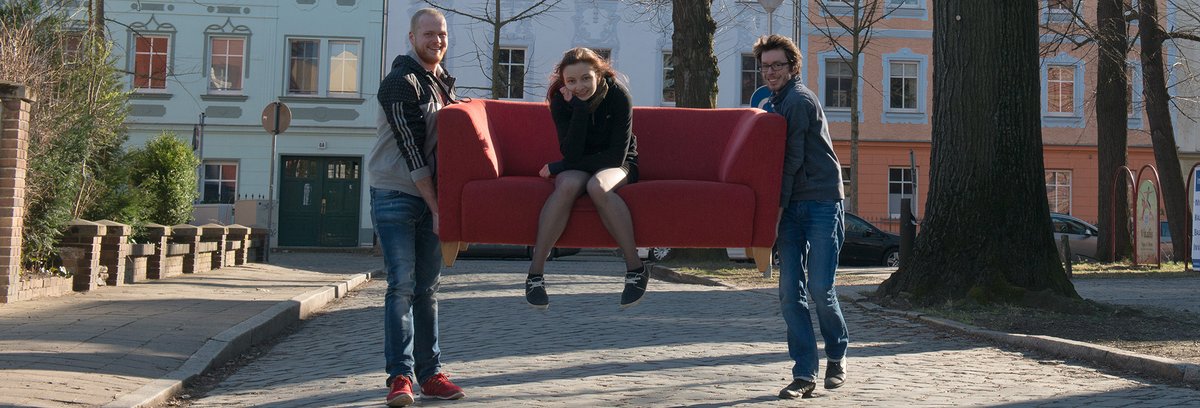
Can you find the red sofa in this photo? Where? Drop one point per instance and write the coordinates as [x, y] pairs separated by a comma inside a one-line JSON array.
[[710, 178]]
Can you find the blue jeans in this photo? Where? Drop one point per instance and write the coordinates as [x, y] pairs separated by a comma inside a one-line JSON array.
[[810, 238], [412, 258]]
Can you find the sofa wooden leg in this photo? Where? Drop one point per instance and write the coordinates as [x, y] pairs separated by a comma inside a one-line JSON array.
[[762, 259], [450, 252]]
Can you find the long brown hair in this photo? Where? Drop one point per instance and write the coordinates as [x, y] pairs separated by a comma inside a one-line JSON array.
[[574, 56]]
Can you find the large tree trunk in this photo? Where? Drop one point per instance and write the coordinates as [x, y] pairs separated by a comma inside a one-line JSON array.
[[1112, 122], [695, 79], [1162, 133], [986, 234], [499, 82], [692, 54], [855, 56]]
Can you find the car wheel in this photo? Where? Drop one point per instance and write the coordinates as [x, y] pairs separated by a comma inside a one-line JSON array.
[[891, 258], [659, 254]]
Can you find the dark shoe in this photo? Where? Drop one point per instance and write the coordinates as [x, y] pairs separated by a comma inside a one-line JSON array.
[[635, 286], [440, 387], [535, 292], [401, 394], [797, 389], [835, 375]]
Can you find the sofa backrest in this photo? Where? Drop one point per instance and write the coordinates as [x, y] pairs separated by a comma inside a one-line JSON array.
[[673, 143], [683, 144]]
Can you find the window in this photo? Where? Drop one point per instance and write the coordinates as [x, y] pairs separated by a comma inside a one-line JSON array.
[[303, 66], [904, 85], [226, 56], [512, 73], [343, 68], [309, 73], [900, 186], [837, 84], [668, 89], [220, 183], [150, 62], [1060, 89], [751, 77], [1058, 190], [72, 43], [904, 3]]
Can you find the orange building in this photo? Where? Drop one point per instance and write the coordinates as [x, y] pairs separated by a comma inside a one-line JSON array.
[[895, 105]]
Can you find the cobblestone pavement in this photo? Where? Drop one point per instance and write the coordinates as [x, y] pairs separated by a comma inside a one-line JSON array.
[[684, 345], [90, 349]]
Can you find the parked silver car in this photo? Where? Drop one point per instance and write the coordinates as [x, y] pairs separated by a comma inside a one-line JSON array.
[[1082, 236]]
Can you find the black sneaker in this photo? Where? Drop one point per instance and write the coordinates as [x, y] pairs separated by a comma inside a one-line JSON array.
[[835, 375], [635, 286], [535, 292], [797, 389]]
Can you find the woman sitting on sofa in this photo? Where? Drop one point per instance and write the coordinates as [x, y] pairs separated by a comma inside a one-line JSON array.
[[593, 115]]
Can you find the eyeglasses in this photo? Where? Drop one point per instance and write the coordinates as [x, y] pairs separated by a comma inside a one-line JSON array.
[[774, 67]]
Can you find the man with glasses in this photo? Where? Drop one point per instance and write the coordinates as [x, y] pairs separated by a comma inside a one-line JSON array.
[[811, 226]]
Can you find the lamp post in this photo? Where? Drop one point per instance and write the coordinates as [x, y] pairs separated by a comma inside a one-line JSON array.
[[770, 6]]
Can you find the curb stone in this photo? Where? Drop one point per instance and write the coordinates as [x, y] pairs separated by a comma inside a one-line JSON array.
[[1159, 367], [237, 339]]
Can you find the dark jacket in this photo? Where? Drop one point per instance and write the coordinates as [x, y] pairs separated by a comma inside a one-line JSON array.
[[810, 168], [409, 98], [593, 141]]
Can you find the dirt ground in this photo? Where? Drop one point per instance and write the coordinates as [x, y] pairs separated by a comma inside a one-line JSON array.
[[1146, 330]]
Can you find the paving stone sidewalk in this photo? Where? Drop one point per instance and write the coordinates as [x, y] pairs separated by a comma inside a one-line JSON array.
[[109, 345], [684, 345]]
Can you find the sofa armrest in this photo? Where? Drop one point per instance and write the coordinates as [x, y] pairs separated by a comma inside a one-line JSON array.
[[754, 157], [465, 153]]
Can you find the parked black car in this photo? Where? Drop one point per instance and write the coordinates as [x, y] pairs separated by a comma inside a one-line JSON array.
[[510, 251], [865, 244]]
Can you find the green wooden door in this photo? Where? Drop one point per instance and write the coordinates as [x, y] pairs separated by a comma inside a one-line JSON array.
[[319, 201]]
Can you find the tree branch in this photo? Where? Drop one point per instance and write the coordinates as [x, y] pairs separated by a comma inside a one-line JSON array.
[[487, 19]]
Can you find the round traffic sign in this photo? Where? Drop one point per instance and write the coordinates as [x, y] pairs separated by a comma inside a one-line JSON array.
[[761, 98], [276, 117]]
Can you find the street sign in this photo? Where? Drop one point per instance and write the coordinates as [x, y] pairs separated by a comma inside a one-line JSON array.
[[276, 117], [1196, 219], [1146, 251], [761, 98]]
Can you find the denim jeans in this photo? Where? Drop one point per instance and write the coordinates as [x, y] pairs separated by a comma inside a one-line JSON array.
[[810, 238], [412, 258]]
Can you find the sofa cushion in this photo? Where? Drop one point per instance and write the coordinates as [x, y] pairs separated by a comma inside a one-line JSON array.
[[506, 210]]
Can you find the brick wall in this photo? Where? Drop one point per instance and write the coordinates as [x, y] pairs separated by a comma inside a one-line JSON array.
[[16, 102]]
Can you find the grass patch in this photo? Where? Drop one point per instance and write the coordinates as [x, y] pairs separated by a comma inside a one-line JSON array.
[[1154, 331], [1128, 270]]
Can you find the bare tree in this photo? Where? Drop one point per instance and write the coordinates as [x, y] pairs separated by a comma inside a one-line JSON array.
[[490, 14], [986, 166], [1110, 37], [96, 17], [1112, 124], [848, 27], [1158, 113]]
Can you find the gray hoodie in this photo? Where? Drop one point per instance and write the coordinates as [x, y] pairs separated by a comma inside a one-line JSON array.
[[810, 167]]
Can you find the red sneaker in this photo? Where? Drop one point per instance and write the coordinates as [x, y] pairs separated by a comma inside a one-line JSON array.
[[402, 394], [440, 387]]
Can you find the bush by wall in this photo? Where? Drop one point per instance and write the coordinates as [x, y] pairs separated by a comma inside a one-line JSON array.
[[165, 169]]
